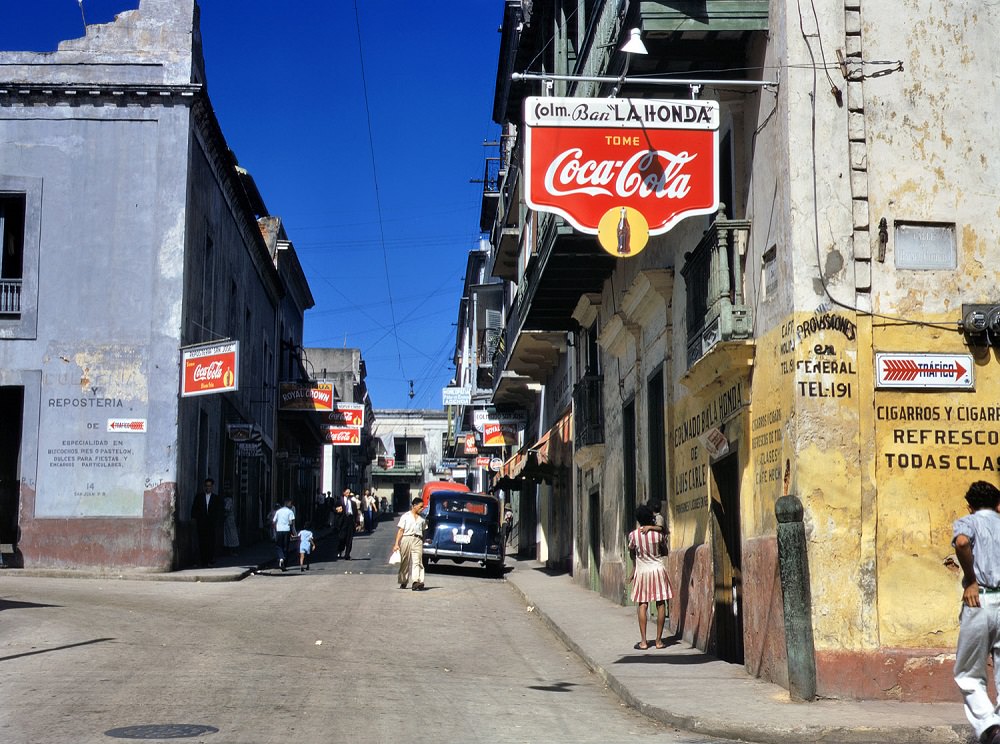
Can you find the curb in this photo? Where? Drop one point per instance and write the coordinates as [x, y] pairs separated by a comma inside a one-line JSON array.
[[771, 735]]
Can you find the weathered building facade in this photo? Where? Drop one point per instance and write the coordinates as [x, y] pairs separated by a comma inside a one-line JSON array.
[[805, 342], [129, 234]]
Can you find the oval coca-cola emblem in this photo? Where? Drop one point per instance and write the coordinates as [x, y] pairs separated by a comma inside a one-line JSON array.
[[622, 169]]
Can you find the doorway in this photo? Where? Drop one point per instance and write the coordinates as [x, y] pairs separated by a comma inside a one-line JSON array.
[[594, 546], [727, 559], [12, 413], [400, 497]]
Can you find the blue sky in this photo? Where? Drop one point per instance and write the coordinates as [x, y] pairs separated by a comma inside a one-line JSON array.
[[286, 84]]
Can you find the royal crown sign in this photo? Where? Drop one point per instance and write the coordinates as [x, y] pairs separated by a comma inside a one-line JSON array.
[[622, 168], [305, 396]]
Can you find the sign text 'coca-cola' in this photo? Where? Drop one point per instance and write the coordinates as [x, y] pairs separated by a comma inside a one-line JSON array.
[[210, 369], [340, 435], [622, 169]]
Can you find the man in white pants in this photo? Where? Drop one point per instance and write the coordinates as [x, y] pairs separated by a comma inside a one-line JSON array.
[[976, 538], [410, 544]]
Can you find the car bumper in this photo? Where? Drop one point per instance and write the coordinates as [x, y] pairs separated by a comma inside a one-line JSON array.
[[436, 553]]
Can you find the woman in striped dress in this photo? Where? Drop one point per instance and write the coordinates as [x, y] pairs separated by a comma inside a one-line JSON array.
[[649, 576]]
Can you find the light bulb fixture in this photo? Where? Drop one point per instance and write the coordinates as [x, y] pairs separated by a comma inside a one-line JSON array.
[[634, 44]]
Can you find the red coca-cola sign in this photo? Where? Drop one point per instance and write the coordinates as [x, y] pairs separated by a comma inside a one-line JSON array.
[[343, 435], [210, 369], [622, 168]]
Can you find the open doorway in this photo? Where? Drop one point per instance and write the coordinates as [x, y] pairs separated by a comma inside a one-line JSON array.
[[12, 414], [594, 539], [727, 559], [400, 497]]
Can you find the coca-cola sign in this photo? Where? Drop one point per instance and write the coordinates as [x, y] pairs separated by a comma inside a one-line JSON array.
[[347, 414], [210, 369], [622, 168], [343, 435]]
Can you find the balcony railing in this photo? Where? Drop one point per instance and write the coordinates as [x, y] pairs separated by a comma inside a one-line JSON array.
[[491, 194], [10, 296], [713, 274], [588, 410]]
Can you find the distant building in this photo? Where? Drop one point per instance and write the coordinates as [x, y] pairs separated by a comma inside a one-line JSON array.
[[410, 444], [129, 234], [344, 464]]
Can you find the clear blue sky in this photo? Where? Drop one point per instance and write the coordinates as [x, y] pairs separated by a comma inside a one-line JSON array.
[[286, 84]]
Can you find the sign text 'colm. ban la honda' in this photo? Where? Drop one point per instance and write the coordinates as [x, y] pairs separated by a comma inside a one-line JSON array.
[[622, 168]]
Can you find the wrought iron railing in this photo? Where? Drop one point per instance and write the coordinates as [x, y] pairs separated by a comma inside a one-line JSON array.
[[713, 275], [10, 296], [588, 410]]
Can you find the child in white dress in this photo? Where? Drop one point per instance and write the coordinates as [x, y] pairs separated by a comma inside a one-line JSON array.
[[307, 544]]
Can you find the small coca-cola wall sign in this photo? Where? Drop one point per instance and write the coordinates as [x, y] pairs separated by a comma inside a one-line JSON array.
[[622, 168], [342, 435], [213, 368]]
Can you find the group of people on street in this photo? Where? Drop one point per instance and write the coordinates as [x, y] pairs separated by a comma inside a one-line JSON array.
[[214, 517], [210, 512]]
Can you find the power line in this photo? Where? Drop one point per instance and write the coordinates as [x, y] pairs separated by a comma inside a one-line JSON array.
[[378, 201]]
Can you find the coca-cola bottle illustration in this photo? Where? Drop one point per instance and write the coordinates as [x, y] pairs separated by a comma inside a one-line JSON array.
[[624, 234]]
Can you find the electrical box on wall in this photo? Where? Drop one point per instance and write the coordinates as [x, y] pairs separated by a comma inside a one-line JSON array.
[[981, 323]]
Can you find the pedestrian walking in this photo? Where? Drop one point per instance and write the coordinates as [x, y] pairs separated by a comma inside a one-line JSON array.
[[650, 582], [976, 538], [410, 544], [307, 544], [206, 512], [369, 511], [344, 524], [230, 532], [284, 531]]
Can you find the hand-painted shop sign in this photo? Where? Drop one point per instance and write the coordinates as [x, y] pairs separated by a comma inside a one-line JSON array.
[[953, 371], [305, 396], [342, 435], [498, 435], [622, 168], [456, 396], [210, 368], [347, 414]]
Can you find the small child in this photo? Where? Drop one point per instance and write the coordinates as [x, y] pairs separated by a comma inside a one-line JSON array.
[[307, 544]]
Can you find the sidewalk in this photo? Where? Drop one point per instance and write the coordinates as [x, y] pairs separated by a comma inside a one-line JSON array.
[[683, 687]]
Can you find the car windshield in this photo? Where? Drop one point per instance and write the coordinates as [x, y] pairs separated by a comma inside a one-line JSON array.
[[462, 506]]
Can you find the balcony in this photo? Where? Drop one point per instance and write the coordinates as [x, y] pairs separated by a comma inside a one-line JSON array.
[[713, 274], [588, 411], [491, 194], [10, 297]]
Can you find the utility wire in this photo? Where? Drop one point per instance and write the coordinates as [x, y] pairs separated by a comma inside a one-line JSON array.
[[378, 201]]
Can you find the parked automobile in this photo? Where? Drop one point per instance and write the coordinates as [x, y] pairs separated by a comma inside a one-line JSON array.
[[464, 527]]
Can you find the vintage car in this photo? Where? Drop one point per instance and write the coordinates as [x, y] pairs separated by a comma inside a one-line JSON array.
[[464, 527]]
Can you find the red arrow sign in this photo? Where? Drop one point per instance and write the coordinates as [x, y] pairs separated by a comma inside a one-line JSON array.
[[906, 370]]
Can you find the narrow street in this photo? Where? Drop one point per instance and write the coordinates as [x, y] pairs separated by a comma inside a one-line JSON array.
[[338, 653]]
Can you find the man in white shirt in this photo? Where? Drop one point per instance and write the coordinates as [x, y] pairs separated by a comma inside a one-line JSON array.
[[284, 531]]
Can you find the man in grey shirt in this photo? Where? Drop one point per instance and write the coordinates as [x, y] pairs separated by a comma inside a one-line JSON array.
[[976, 538]]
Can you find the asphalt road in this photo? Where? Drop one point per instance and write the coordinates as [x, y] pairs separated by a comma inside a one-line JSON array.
[[335, 654]]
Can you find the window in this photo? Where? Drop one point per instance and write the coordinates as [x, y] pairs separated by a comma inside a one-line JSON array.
[[20, 221], [628, 466], [657, 439], [208, 290], [12, 255]]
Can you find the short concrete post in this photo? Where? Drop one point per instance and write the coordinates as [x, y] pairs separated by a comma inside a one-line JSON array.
[[793, 563]]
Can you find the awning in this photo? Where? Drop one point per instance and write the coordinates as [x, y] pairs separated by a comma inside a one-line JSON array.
[[543, 460]]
